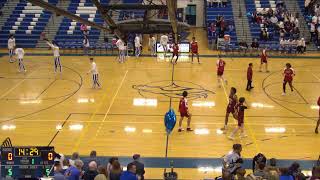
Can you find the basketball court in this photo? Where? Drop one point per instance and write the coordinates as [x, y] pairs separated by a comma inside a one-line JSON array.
[[126, 115]]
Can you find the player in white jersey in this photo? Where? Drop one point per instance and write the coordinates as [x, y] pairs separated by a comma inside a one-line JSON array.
[[152, 45], [86, 45], [20, 53], [164, 42], [122, 50], [11, 46], [137, 45], [55, 48], [95, 74]]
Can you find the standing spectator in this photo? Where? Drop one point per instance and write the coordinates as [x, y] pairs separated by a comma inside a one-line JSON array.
[[130, 174], [255, 44], [92, 172], [103, 175], [116, 171], [58, 172], [74, 171], [295, 171], [318, 122], [74, 156], [140, 166], [84, 29], [86, 45], [110, 164]]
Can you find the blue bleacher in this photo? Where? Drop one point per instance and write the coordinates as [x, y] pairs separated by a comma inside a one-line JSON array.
[[255, 28], [2, 2], [132, 13], [23, 39], [211, 15], [75, 40]]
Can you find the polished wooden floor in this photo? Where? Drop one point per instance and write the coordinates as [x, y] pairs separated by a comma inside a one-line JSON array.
[[126, 115]]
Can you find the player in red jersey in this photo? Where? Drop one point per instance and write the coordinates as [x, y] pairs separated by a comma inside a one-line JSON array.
[[240, 107], [318, 122], [175, 52], [249, 77], [194, 49], [220, 69], [288, 74], [264, 60], [184, 112], [233, 100]]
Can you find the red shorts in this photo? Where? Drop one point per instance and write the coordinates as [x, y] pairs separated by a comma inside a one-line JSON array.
[[230, 110], [289, 80], [264, 61], [194, 52], [240, 121], [219, 73], [184, 114]]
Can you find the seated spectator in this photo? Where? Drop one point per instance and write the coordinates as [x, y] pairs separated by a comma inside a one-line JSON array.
[[102, 173], [224, 3], [295, 171], [274, 20], [92, 172], [273, 170], [282, 45], [255, 44], [140, 166], [296, 33], [264, 34], [258, 159], [243, 46], [130, 174], [212, 29], [116, 171], [261, 172], [284, 174]]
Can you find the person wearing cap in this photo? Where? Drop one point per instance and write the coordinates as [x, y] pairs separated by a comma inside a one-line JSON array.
[[140, 166]]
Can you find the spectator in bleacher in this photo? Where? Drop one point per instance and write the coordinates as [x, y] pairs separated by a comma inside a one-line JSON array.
[[295, 33], [313, 31], [273, 170], [224, 3], [212, 29], [84, 29], [243, 46], [274, 20], [102, 174], [11, 46], [264, 34], [130, 174], [255, 44], [58, 171], [139, 165], [92, 172], [116, 171], [86, 45], [300, 48]]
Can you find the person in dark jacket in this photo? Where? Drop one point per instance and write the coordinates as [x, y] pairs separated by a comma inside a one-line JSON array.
[[116, 171], [92, 172], [140, 166]]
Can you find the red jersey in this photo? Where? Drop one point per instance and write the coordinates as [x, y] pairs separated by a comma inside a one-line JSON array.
[[175, 49], [220, 65], [249, 73], [183, 106], [194, 47], [264, 57], [240, 109], [288, 74]]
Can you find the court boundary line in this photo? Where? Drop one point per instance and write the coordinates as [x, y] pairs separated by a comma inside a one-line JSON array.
[[45, 88]]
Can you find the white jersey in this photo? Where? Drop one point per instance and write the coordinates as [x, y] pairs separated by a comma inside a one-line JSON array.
[[11, 43], [230, 160], [164, 39], [120, 45], [55, 49], [94, 68], [86, 43], [152, 41], [137, 41], [20, 53]]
